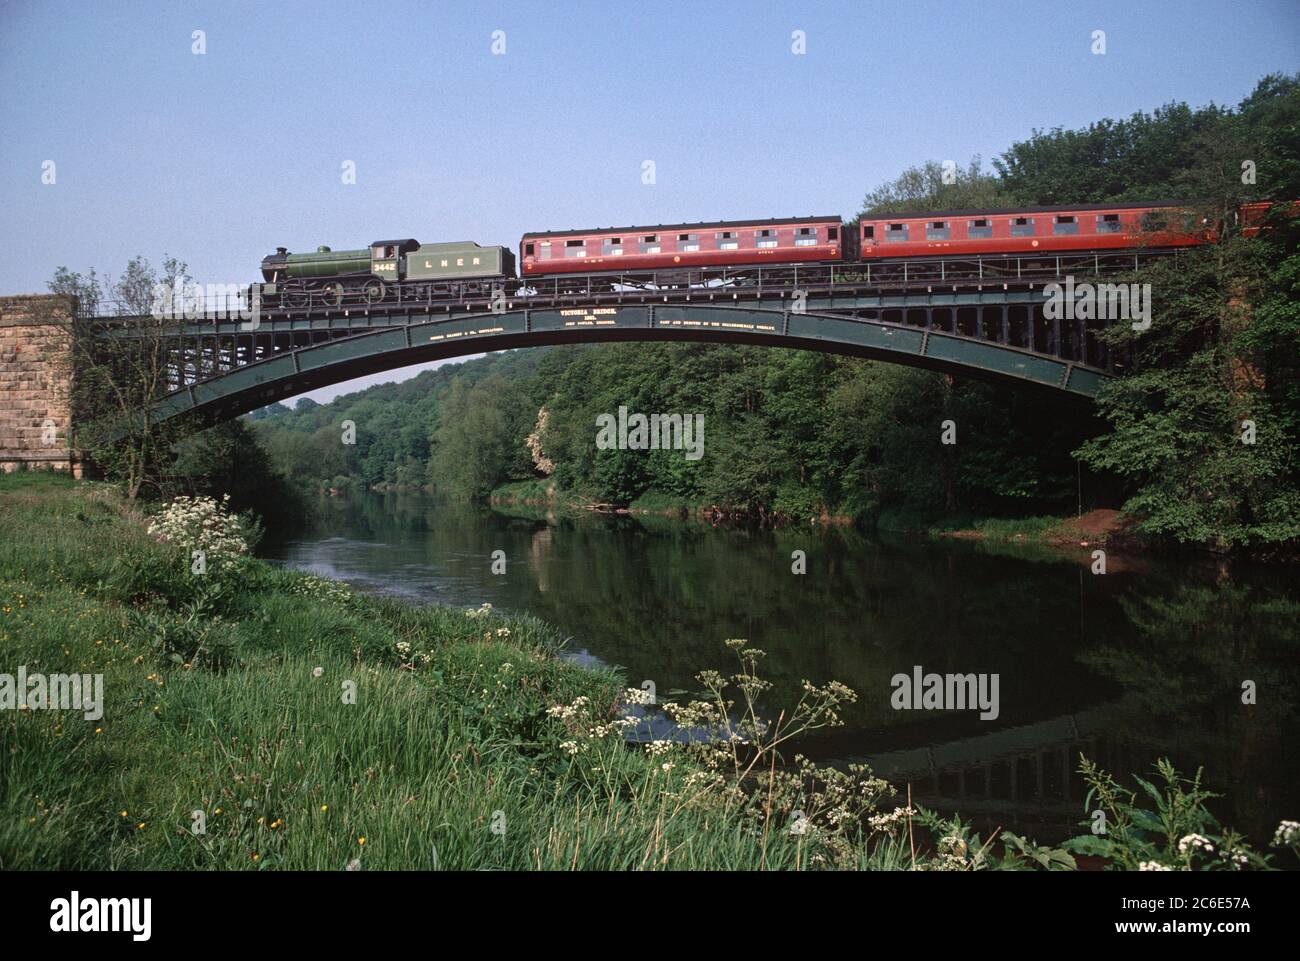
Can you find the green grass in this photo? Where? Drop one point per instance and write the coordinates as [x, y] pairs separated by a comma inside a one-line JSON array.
[[1013, 528], [526, 490], [989, 528]]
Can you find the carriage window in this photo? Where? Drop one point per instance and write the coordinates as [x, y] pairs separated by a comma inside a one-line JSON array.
[[936, 230], [688, 243], [806, 237], [896, 232], [528, 250], [1065, 224], [765, 238], [832, 233], [1022, 227], [575, 248], [979, 229], [649, 244], [869, 232], [1154, 221], [1108, 224], [546, 250], [612, 246], [650, 239]]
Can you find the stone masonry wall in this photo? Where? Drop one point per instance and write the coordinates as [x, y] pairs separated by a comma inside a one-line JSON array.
[[35, 383]]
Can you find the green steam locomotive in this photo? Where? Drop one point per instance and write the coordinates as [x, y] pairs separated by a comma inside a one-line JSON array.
[[372, 274]]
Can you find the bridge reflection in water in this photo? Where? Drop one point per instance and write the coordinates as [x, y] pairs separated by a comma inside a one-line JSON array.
[[1031, 770]]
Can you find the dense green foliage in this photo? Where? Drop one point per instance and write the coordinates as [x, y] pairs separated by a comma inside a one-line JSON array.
[[787, 431], [1205, 428]]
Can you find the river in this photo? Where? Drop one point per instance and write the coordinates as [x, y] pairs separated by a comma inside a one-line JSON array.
[[1145, 661]]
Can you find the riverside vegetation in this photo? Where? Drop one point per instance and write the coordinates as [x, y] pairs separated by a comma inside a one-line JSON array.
[[227, 740]]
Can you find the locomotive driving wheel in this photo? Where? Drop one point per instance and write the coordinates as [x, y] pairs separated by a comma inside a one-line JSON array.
[[296, 296], [331, 295], [373, 292]]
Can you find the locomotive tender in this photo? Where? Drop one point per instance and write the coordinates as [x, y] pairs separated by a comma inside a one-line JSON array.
[[668, 253]]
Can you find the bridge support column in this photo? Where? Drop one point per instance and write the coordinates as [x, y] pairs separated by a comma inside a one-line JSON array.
[[36, 384]]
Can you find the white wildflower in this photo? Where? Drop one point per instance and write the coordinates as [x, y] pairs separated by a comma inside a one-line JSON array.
[[1195, 842]]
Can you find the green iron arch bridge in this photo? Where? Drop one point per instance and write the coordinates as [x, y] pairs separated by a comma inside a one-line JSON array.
[[976, 318]]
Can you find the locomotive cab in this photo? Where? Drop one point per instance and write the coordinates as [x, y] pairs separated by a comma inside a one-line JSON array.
[[388, 260]]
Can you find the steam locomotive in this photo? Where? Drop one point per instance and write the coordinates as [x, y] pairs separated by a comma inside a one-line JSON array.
[[672, 253]]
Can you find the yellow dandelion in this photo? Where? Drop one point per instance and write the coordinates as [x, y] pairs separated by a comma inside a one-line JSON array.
[[361, 841], [324, 807]]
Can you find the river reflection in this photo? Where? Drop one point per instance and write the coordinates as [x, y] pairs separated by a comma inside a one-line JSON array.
[[1147, 660]]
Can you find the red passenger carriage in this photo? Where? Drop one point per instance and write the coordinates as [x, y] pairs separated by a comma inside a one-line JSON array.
[[723, 243], [1029, 230]]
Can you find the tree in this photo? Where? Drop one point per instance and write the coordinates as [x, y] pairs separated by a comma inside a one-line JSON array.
[[121, 367], [932, 186]]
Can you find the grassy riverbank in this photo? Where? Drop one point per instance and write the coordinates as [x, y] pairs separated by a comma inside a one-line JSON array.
[[469, 745], [1096, 528], [287, 776]]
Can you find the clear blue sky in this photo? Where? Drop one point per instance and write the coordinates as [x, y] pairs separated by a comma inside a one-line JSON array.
[[219, 158]]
